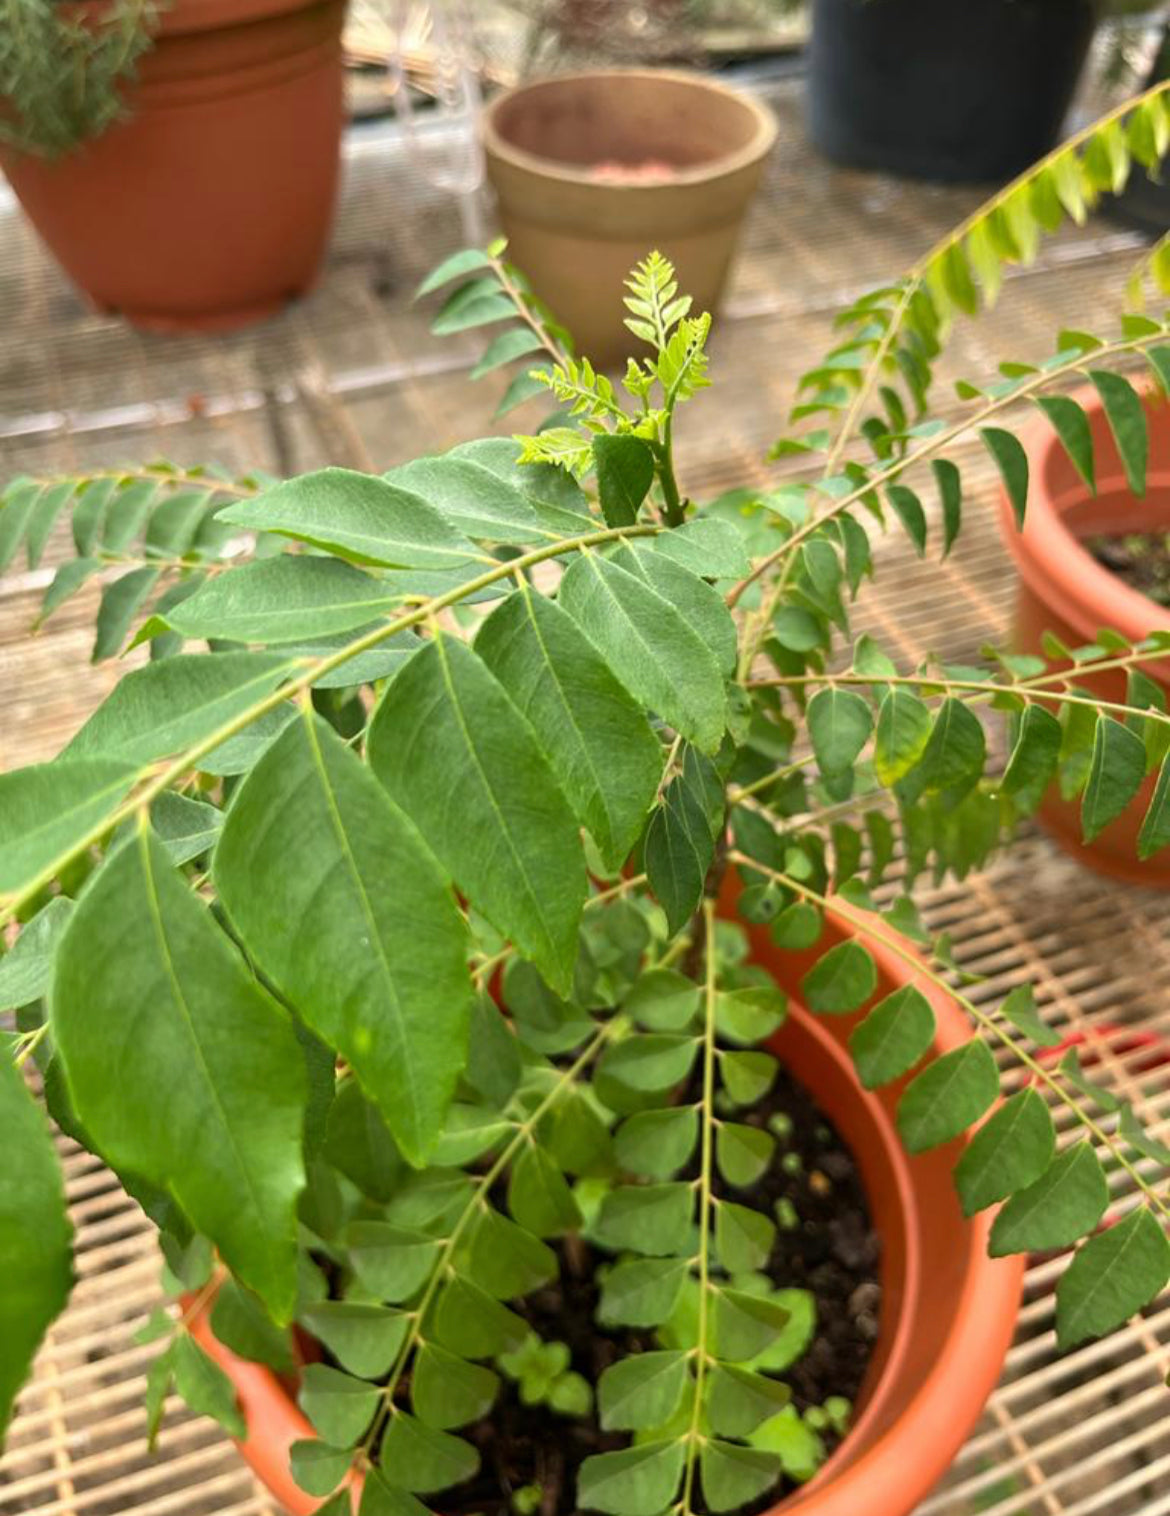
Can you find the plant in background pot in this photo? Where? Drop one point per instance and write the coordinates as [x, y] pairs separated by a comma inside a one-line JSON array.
[[943, 89], [475, 937], [179, 159]]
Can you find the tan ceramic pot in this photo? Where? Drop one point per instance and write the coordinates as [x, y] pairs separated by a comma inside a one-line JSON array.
[[569, 159], [210, 206]]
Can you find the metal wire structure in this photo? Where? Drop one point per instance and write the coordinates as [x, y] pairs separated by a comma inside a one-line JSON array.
[[352, 376]]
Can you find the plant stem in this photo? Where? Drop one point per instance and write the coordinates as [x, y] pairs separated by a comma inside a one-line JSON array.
[[706, 1171], [738, 792], [916, 277], [983, 1019], [483, 1188], [537, 327], [673, 506], [977, 687], [931, 446]]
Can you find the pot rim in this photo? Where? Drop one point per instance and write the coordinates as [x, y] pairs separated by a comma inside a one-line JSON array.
[[1051, 558], [185, 17], [904, 1464], [762, 140]]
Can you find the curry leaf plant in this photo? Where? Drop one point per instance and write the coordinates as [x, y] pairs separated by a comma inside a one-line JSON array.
[[393, 929]]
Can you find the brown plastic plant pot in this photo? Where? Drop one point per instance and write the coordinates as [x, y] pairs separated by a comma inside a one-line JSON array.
[[209, 207], [1064, 590], [947, 1314], [592, 170]]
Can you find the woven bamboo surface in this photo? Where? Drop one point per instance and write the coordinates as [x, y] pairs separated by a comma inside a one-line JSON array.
[[353, 377]]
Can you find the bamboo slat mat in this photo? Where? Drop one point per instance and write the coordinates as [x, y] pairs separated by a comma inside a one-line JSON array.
[[352, 376]]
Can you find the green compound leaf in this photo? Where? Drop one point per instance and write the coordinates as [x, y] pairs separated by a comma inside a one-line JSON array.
[[204, 1385], [1155, 832], [641, 1292], [147, 983], [657, 1144], [319, 1469], [743, 1153], [678, 853], [1011, 460], [538, 1196], [650, 1061], [1034, 760], [948, 1096], [35, 1235], [839, 725], [642, 1391], [955, 754], [469, 1322], [1127, 421], [447, 1391], [364, 1339], [660, 659], [176, 702], [504, 1259], [27, 967], [747, 1076], [1020, 1009], [740, 1399], [1072, 427], [1065, 1203], [743, 1237], [344, 908], [745, 1325], [1115, 776], [381, 1499], [625, 472], [903, 730], [842, 980], [656, 1219], [663, 1000], [339, 1406], [46, 808], [597, 739], [950, 493], [392, 1262], [455, 753], [422, 1459], [284, 599], [639, 1481], [733, 1476], [241, 1323], [1008, 1153], [359, 516], [1111, 1278], [893, 1037]]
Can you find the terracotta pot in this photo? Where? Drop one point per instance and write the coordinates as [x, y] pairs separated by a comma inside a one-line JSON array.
[[1063, 589], [577, 235], [210, 206], [947, 1315]]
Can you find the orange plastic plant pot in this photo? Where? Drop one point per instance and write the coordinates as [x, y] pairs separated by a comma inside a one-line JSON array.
[[947, 1314], [210, 206], [1064, 590]]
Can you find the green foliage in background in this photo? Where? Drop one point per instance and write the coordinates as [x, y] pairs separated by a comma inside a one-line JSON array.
[[368, 928], [63, 69]]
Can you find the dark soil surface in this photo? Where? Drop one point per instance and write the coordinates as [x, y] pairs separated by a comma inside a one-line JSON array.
[[1140, 559], [833, 1252]]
